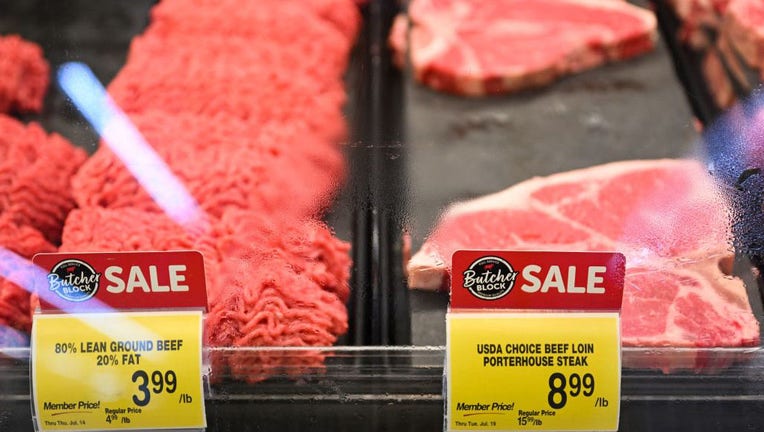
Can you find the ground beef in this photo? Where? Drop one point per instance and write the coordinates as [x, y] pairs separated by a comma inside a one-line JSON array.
[[281, 283], [270, 282], [223, 162], [265, 302], [100, 230], [263, 15], [16, 243], [35, 173], [213, 76], [23, 75], [308, 247], [245, 107], [244, 56]]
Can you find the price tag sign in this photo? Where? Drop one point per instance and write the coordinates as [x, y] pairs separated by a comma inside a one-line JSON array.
[[110, 353], [546, 371], [512, 366], [118, 371]]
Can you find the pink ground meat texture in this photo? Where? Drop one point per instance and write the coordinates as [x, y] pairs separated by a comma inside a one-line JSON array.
[[227, 77], [342, 15], [23, 75], [35, 172], [251, 126], [242, 56], [271, 282], [308, 247], [24, 242], [224, 163]]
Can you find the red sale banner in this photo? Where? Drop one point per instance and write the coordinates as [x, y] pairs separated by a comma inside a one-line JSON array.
[[89, 282], [537, 280]]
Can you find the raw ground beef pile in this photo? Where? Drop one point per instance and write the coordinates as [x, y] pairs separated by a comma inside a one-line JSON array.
[[23, 75], [666, 216], [223, 162], [35, 171], [471, 47], [243, 101], [270, 281], [35, 197]]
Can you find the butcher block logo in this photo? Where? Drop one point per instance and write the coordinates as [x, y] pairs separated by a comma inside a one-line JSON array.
[[74, 280], [489, 278]]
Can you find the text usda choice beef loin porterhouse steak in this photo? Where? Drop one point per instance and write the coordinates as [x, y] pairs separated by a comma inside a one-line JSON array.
[[472, 47], [666, 216]]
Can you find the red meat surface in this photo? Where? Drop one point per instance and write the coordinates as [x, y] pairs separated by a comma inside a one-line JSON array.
[[320, 61], [744, 28], [698, 18], [253, 82], [17, 242], [35, 173], [470, 47], [270, 282], [283, 23], [23, 75], [251, 18], [308, 247], [243, 102], [666, 216], [223, 162]]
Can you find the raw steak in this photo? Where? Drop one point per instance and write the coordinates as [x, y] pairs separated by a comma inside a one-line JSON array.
[[270, 281], [35, 174], [243, 102], [474, 47], [23, 75], [744, 28], [664, 215], [699, 18]]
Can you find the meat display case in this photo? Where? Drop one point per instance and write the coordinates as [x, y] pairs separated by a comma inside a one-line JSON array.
[[387, 372]]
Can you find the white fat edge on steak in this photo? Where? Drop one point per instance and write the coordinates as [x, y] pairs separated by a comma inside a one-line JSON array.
[[436, 32], [427, 269]]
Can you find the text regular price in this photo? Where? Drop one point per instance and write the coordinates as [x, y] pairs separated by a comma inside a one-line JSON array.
[[579, 385]]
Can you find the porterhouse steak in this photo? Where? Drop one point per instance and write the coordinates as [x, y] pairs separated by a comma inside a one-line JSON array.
[[474, 47], [666, 216]]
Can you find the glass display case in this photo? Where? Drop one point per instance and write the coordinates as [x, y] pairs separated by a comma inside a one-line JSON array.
[[405, 153]]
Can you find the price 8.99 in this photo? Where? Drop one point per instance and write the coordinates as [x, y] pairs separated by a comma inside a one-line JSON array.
[[558, 384]]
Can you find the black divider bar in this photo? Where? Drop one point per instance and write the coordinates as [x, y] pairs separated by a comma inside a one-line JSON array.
[[686, 65], [379, 310]]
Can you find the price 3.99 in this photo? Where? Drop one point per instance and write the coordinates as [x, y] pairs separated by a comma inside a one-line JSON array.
[[160, 382], [559, 383]]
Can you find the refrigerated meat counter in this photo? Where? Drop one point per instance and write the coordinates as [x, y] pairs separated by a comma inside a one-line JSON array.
[[413, 152]]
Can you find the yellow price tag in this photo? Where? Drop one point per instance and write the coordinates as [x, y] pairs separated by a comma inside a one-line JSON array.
[[533, 371], [132, 370]]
